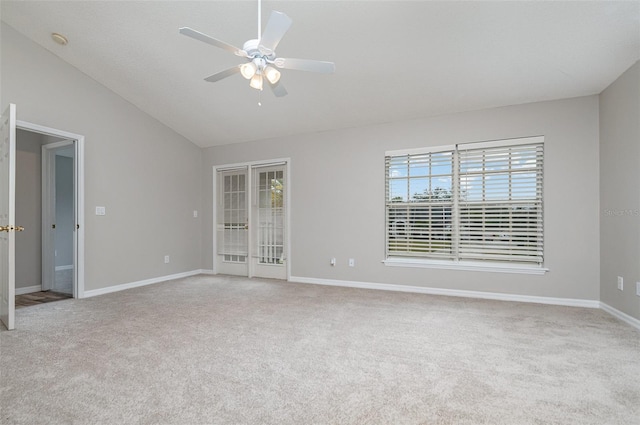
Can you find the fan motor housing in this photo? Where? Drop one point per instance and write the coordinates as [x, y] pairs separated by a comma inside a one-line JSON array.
[[252, 47]]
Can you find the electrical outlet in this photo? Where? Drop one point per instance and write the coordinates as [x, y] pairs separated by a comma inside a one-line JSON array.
[[620, 283], [638, 289], [195, 213], [332, 262], [166, 259], [352, 262]]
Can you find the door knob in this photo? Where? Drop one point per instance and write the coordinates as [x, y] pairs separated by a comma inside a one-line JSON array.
[[11, 228]]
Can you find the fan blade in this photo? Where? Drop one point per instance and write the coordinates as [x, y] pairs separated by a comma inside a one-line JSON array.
[[306, 65], [278, 89], [277, 26], [189, 32], [223, 74]]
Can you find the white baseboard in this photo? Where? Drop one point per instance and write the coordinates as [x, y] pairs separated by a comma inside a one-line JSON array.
[[207, 271], [69, 267], [570, 302], [122, 287], [620, 315], [28, 289]]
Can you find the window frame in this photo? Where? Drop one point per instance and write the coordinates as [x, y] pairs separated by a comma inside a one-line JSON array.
[[454, 261]]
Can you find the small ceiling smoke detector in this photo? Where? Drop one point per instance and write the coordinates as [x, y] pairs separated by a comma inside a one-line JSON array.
[[59, 38]]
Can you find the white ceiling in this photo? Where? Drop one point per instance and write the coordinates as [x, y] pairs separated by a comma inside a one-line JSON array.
[[394, 60]]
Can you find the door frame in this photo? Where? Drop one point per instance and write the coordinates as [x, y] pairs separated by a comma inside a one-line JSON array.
[[79, 234], [287, 229]]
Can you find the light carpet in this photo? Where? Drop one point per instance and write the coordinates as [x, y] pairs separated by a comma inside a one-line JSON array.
[[225, 350]]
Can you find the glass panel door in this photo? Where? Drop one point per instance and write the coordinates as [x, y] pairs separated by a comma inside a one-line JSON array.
[[269, 253], [232, 222], [251, 210]]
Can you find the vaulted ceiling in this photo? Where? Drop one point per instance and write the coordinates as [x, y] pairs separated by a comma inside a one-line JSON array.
[[394, 60]]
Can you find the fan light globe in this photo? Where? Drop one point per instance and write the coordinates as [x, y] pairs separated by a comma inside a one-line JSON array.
[[272, 74], [256, 82], [248, 70]]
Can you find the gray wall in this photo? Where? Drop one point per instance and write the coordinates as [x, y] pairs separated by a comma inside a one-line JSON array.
[[64, 211], [338, 196], [620, 191], [147, 176], [28, 209]]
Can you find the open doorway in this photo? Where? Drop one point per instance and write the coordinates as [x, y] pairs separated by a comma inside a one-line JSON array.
[[46, 205], [9, 124]]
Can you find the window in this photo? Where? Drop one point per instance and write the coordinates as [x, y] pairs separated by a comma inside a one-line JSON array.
[[475, 202]]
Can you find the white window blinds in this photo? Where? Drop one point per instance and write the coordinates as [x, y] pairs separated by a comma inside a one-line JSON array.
[[419, 204], [475, 202]]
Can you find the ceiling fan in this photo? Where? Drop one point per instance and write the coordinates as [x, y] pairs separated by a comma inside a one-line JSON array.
[[261, 60]]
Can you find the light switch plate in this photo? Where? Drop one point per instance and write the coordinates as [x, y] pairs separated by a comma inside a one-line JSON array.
[[101, 211]]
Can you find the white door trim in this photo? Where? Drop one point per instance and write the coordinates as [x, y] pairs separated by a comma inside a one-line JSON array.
[[78, 240], [249, 165], [214, 222], [287, 218], [48, 211]]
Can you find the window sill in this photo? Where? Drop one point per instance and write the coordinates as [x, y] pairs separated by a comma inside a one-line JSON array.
[[474, 266]]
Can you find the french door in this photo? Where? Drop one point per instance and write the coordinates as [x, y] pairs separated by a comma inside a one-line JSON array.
[[268, 222], [251, 221], [233, 222]]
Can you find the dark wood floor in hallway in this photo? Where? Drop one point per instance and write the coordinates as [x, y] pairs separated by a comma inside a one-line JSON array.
[[35, 298]]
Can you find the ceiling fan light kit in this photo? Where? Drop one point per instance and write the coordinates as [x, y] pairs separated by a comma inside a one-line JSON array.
[[256, 82], [262, 62], [272, 74], [248, 70]]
